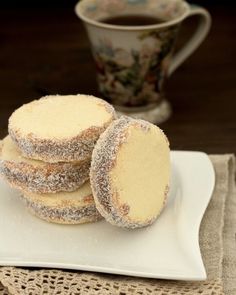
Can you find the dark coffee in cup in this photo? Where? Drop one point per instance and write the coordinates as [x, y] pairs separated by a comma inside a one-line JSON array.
[[132, 20]]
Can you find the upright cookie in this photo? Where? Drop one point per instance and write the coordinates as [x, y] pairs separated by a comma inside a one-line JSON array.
[[60, 128], [130, 172], [66, 208], [37, 176]]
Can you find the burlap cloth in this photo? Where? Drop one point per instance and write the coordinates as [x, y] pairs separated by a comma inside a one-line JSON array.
[[217, 241]]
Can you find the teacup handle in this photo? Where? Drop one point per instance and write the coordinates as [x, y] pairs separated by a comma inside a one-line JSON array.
[[198, 37]]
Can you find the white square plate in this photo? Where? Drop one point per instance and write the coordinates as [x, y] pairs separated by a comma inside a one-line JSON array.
[[168, 249]]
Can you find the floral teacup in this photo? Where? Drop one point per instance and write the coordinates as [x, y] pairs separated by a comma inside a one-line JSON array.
[[133, 62]]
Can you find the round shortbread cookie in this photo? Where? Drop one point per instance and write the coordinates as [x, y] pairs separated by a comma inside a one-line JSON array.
[[65, 207], [37, 176], [130, 172], [60, 128]]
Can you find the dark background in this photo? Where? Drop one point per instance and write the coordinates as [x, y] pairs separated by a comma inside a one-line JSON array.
[[70, 3], [44, 50]]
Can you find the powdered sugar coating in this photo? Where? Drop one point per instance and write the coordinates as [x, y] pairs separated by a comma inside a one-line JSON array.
[[103, 160], [63, 215], [78, 148]]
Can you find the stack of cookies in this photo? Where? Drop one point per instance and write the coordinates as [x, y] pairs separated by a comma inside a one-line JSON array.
[[74, 162], [47, 155]]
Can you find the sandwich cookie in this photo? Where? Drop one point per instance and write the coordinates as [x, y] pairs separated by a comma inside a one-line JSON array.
[[130, 173], [37, 176], [60, 128], [64, 207]]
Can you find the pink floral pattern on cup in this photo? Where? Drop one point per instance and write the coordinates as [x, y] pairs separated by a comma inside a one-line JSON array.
[[133, 62], [134, 78]]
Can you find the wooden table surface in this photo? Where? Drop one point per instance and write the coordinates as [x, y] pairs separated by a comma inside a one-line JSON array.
[[46, 51]]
